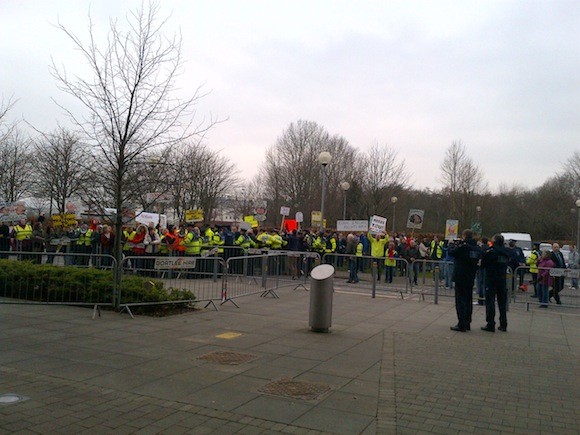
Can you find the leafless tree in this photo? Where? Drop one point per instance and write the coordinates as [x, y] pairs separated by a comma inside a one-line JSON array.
[[292, 174], [572, 173], [196, 178], [5, 107], [462, 182], [381, 175], [15, 166], [59, 159], [129, 100]]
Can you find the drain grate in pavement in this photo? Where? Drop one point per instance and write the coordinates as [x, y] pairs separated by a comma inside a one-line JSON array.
[[229, 358], [293, 389]]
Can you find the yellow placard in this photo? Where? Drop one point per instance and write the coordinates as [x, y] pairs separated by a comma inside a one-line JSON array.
[[194, 215], [64, 220], [315, 217]]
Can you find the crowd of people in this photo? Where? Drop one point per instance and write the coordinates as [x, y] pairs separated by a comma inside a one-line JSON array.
[[382, 253]]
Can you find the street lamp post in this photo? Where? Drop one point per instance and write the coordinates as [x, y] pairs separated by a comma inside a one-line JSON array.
[[344, 186], [394, 200], [324, 159], [578, 229]]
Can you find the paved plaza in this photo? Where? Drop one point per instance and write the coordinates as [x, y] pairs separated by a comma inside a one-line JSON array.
[[388, 366]]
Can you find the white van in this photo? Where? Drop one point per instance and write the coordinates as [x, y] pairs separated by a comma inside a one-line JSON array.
[[523, 240]]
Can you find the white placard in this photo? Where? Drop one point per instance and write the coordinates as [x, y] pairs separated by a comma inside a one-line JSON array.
[[354, 225], [299, 216], [451, 229], [146, 217], [378, 224], [285, 211], [415, 219]]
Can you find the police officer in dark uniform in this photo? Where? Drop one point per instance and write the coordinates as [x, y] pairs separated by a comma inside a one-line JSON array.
[[466, 255], [494, 264]]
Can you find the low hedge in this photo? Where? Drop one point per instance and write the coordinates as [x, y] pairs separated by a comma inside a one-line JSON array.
[[48, 283]]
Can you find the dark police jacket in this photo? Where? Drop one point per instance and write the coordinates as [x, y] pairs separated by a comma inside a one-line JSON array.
[[466, 255], [494, 263]]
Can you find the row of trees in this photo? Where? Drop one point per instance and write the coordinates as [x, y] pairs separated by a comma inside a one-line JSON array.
[[291, 175], [57, 166], [135, 137]]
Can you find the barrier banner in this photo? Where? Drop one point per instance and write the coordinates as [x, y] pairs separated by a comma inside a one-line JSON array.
[[175, 263]]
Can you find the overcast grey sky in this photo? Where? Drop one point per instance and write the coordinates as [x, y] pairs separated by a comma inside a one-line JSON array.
[[501, 76]]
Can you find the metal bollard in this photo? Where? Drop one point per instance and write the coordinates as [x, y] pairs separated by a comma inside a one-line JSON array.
[[321, 289], [436, 278], [374, 278]]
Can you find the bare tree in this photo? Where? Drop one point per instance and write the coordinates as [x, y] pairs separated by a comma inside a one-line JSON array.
[[128, 96], [381, 176], [572, 174], [58, 162], [292, 174], [5, 128], [15, 166], [198, 178], [462, 183]]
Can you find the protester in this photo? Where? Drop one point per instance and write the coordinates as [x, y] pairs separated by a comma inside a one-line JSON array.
[[436, 254], [107, 245], [413, 256], [4, 240], [378, 242], [390, 262], [544, 279], [560, 263], [353, 246], [22, 235], [532, 262], [448, 264]]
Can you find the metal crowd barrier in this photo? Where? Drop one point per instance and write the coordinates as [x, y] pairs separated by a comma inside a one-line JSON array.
[[372, 272], [222, 278], [203, 276], [267, 271], [50, 278], [524, 294]]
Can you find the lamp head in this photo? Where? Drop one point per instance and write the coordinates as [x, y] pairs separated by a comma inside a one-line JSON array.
[[324, 158]]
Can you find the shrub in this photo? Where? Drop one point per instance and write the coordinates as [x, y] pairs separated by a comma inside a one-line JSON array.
[[56, 284]]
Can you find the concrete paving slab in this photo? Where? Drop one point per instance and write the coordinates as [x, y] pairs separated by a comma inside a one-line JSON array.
[[143, 375]]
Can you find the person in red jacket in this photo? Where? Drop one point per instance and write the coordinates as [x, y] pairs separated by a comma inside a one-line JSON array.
[[139, 248]]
